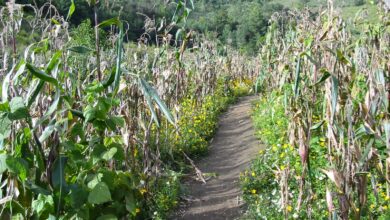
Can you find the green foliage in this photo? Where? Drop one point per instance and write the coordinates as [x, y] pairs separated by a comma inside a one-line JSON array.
[[262, 182], [238, 23]]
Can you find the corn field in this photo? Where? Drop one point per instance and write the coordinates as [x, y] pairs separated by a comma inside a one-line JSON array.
[[333, 77], [85, 126]]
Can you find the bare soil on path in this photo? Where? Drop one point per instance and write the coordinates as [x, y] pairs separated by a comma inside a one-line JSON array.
[[230, 153]]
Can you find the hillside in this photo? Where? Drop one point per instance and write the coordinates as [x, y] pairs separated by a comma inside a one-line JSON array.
[[239, 23]]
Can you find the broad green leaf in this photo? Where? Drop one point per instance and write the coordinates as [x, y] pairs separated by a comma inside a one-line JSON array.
[[78, 131], [119, 55], [55, 21], [43, 205], [97, 152], [102, 108], [4, 107], [110, 178], [310, 58], [17, 166], [152, 93], [18, 216], [95, 180], [342, 58], [78, 196], [317, 125], [109, 22], [77, 113], [324, 77], [18, 109], [53, 62], [297, 76], [110, 79], [131, 204], [3, 165], [89, 113], [58, 173], [115, 121], [41, 75], [149, 102], [175, 17], [179, 34], [36, 189], [47, 132], [33, 92], [72, 8], [55, 102], [108, 155], [99, 194], [5, 126], [95, 88]]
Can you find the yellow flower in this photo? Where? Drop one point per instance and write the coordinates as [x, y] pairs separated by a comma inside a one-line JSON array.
[[261, 151], [285, 146], [253, 174], [357, 209], [282, 167], [274, 148], [372, 206], [384, 207], [282, 155], [137, 210], [387, 198], [143, 191], [253, 191], [289, 208]]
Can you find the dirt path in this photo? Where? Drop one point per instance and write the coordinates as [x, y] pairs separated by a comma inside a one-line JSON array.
[[232, 149]]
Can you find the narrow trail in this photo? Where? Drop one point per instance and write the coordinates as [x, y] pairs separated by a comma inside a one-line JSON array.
[[231, 151]]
